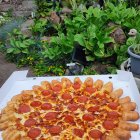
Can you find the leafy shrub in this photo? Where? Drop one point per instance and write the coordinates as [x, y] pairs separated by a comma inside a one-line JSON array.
[[120, 14], [19, 46], [59, 46], [46, 6], [39, 27]]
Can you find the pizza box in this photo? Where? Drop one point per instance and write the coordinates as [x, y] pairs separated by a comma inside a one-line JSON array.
[[18, 82]]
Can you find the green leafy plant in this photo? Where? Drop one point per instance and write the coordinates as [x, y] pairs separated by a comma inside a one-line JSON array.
[[45, 7], [4, 17], [88, 33], [112, 69], [94, 43], [88, 70], [39, 27], [59, 46], [43, 69], [120, 14], [19, 45], [136, 49]]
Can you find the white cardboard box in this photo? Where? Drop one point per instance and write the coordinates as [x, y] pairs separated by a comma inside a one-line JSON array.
[[18, 82]]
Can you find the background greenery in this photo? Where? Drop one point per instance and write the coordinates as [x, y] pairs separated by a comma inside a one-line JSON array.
[[86, 26]]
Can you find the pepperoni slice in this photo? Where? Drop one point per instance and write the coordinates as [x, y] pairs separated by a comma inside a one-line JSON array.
[[88, 117], [104, 102], [109, 125], [34, 114], [57, 88], [46, 106], [69, 119], [34, 133], [35, 103], [73, 107], [46, 92], [95, 101], [66, 96], [23, 108], [55, 130], [103, 96], [76, 85], [113, 105], [51, 115], [29, 122], [90, 90], [82, 99], [82, 107], [93, 108], [96, 134], [78, 132], [112, 115]]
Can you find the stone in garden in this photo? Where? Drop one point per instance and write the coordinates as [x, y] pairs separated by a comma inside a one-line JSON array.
[[66, 10], [19, 8], [6, 7], [28, 5], [25, 27], [45, 39], [118, 35], [6, 0], [54, 18], [25, 8]]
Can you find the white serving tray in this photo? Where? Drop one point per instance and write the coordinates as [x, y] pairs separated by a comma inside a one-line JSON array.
[[18, 82]]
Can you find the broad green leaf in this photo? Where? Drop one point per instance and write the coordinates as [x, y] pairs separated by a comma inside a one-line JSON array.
[[127, 24], [90, 58], [25, 51], [89, 46], [89, 12], [130, 41], [97, 12], [108, 40], [101, 45], [91, 31], [99, 53], [12, 42], [67, 49], [17, 51], [80, 39], [112, 69], [23, 45], [17, 43], [10, 50], [80, 19]]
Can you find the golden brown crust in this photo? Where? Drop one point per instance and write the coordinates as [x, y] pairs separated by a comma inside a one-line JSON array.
[[108, 87], [111, 138], [8, 116], [11, 134], [45, 84], [130, 106], [25, 138], [98, 84], [122, 134], [5, 125], [128, 126], [117, 93], [130, 116], [88, 82], [124, 100]]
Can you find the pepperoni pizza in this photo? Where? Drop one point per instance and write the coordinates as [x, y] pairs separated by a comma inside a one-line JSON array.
[[65, 110]]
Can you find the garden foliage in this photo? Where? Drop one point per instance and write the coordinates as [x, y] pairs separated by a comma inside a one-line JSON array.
[[87, 27]]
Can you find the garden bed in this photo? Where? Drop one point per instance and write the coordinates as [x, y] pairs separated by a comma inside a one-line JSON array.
[[47, 44]]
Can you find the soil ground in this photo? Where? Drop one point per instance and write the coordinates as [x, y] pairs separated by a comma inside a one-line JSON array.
[[7, 68]]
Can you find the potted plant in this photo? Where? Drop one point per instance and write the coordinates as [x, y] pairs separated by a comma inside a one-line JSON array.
[[134, 52]]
